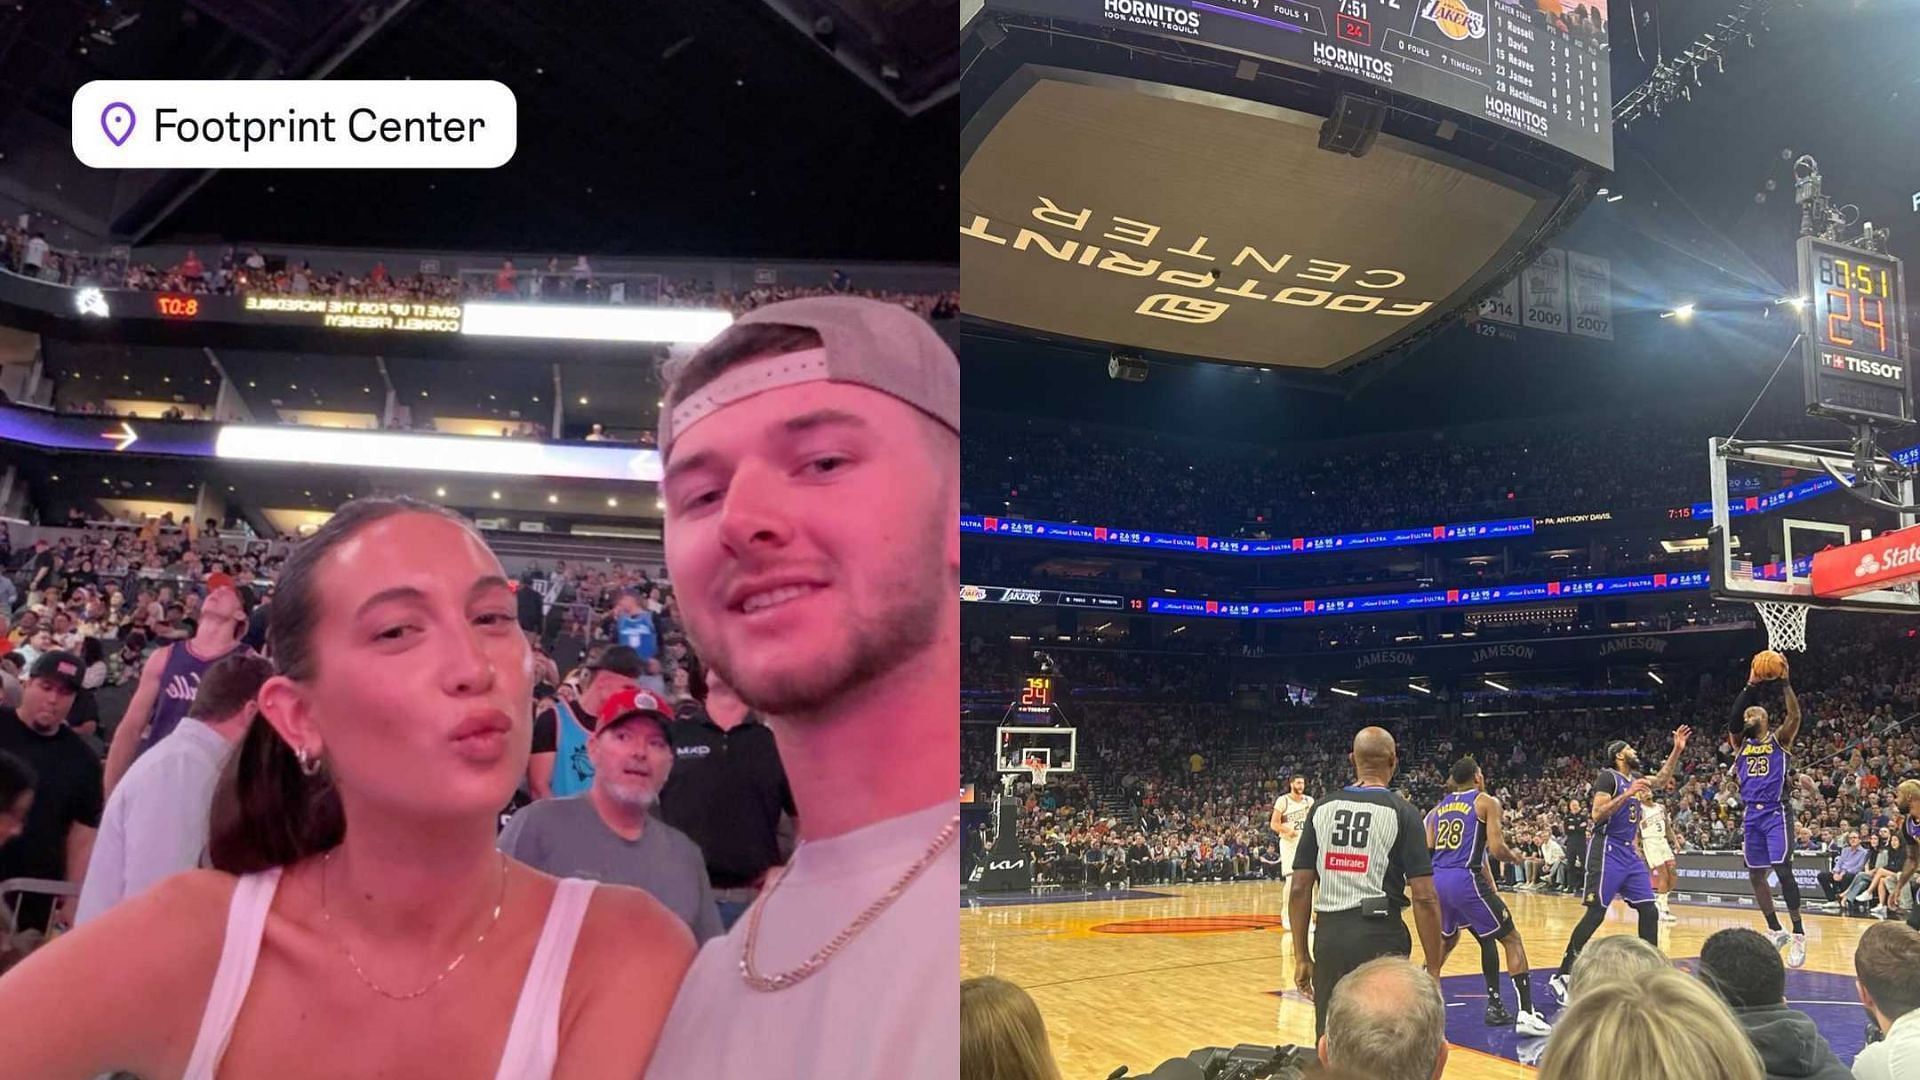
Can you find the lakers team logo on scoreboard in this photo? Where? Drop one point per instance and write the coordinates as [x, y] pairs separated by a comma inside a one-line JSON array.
[[1455, 19]]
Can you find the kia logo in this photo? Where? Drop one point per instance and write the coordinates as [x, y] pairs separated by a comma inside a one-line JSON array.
[[1012, 865]]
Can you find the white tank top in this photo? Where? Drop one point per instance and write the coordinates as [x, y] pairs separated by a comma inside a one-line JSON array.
[[533, 1042]]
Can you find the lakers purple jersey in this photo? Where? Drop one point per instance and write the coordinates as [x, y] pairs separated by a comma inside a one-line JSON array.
[[1913, 828], [1762, 769], [1620, 827], [1459, 843]]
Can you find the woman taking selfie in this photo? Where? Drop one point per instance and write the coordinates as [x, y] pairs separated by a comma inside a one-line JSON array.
[[359, 921]]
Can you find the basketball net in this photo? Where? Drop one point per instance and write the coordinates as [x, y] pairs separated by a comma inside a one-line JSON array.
[[1786, 624], [1039, 772]]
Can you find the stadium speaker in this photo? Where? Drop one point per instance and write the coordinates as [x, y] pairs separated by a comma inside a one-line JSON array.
[[1353, 125], [1126, 368]]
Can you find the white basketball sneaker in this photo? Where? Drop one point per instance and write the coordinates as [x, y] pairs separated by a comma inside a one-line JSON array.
[[1558, 984], [1779, 938], [1797, 955], [1531, 1023]]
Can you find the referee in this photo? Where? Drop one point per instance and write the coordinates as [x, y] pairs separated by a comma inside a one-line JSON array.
[[1362, 846]]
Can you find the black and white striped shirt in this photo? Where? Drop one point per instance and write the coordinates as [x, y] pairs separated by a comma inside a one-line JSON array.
[[1363, 842]]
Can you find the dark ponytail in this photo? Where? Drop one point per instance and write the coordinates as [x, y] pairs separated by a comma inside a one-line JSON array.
[[266, 811]]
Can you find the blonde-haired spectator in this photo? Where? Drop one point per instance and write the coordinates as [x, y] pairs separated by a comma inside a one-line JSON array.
[[1001, 1034]]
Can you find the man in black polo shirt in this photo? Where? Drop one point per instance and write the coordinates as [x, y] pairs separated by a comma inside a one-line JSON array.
[[728, 791], [67, 799]]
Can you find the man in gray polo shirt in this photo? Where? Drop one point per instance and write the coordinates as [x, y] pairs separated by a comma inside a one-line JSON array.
[[608, 832]]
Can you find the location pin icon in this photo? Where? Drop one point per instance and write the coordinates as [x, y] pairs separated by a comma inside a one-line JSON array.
[[117, 121]]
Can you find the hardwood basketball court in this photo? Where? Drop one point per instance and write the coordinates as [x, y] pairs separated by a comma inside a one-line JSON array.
[[1136, 981]]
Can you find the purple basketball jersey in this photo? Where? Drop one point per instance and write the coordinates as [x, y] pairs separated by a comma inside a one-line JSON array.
[[1762, 769], [1459, 843]]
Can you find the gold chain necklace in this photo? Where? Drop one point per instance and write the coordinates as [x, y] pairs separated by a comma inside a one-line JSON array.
[[438, 979], [819, 959]]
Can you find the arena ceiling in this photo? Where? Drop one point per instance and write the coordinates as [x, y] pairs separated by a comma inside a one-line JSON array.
[[1831, 80], [722, 128]]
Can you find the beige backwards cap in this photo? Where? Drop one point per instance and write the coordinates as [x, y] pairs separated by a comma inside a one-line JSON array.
[[872, 343]]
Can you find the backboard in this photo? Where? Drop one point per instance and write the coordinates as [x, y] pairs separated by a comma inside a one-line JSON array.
[[1774, 506], [1057, 747]]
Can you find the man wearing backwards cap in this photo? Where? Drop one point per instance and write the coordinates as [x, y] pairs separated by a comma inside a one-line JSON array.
[[67, 799], [812, 535], [609, 833], [560, 764]]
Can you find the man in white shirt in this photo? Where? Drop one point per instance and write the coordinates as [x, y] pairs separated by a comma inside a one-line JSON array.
[[155, 823], [1289, 817], [36, 255], [812, 536], [1887, 968]]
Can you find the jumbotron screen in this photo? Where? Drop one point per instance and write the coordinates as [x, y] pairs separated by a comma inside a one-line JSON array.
[[1536, 66], [1168, 219]]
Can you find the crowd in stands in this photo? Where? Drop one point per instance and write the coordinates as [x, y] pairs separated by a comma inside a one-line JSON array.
[[235, 271], [607, 642], [1191, 785], [1075, 472]]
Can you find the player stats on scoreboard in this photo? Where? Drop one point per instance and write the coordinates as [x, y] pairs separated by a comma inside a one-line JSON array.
[[1854, 334], [1536, 66]]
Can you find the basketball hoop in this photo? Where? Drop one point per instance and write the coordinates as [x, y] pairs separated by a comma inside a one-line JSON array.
[[1786, 624]]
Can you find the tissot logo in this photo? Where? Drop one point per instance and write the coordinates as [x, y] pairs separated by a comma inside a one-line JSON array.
[[1153, 16], [1019, 596]]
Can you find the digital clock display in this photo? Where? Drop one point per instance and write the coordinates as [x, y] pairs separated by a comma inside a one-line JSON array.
[[177, 307], [1855, 312], [1037, 696]]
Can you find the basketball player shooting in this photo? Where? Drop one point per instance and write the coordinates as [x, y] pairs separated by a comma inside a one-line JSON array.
[[1289, 815], [1761, 764], [1615, 866], [1461, 831]]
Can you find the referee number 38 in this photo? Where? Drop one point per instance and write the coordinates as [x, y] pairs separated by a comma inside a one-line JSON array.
[[1350, 829]]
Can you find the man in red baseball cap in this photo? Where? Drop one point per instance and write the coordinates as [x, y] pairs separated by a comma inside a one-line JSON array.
[[608, 832]]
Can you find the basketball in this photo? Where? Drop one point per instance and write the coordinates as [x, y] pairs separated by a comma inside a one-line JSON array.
[[1769, 665]]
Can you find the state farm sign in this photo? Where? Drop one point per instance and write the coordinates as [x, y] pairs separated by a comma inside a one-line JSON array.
[[1867, 565]]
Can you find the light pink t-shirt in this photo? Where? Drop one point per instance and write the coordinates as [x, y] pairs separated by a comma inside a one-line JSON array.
[[886, 1005]]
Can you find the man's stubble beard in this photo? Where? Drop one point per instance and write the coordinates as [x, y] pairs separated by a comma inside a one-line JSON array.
[[911, 590]]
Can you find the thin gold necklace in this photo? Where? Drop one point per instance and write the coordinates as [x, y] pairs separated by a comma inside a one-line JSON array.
[[327, 918], [818, 960]]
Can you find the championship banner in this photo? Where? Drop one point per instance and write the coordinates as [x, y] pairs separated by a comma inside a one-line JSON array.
[[1867, 565], [1543, 292], [1503, 306], [1590, 287]]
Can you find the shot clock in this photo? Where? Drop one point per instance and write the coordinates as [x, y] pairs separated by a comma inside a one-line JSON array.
[[1855, 337], [1037, 695]]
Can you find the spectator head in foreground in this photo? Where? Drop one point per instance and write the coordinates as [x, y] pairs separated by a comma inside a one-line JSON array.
[[1660, 1025], [1615, 956], [1387, 1021], [1002, 1036], [1886, 966], [1745, 969]]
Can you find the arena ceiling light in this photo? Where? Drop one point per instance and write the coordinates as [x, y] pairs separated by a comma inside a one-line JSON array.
[[435, 453], [1497, 686], [1343, 691], [1655, 676], [598, 322], [1417, 686], [1683, 313]]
